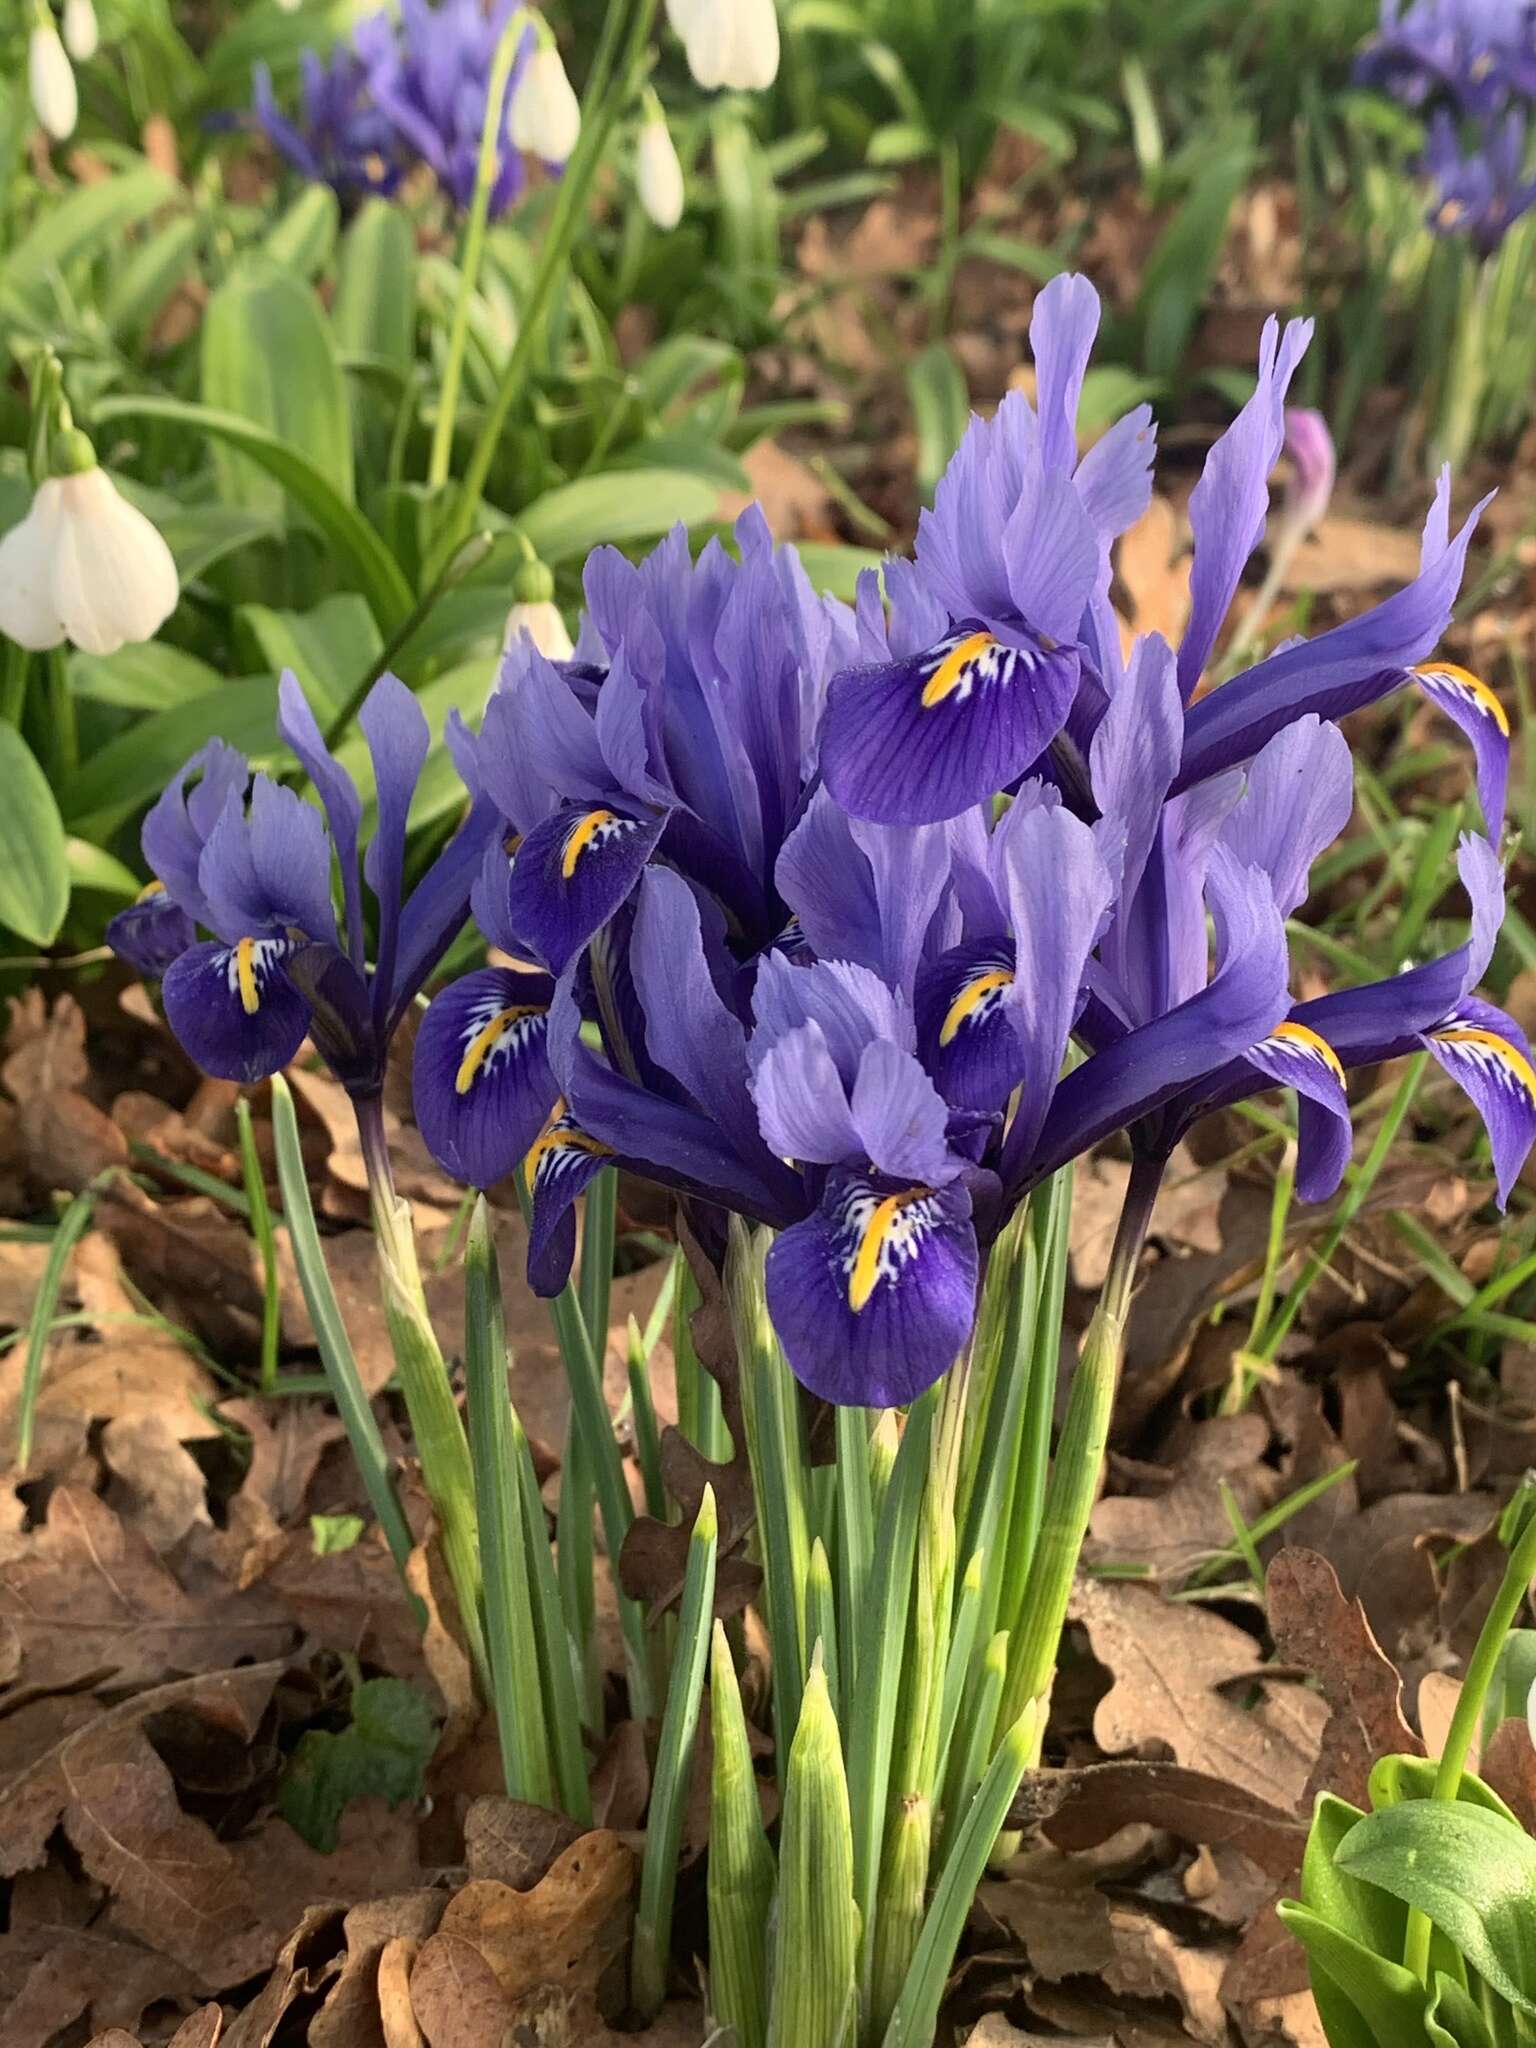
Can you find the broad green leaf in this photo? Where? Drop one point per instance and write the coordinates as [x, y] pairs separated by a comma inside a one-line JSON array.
[[147, 675], [941, 405], [382, 1755], [34, 863], [328, 647], [277, 38], [1362, 1911], [836, 570], [1033, 258], [619, 505], [132, 770], [302, 240], [1109, 391], [361, 555], [90, 219], [151, 274], [1173, 285], [374, 313], [92, 867], [674, 366], [1365, 2000], [268, 357], [687, 456], [1471, 1872], [200, 535], [1453, 2019]]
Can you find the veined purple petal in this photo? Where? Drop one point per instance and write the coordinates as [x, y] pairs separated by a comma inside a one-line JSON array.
[[1488, 1054], [1135, 750], [920, 740], [1228, 507], [1062, 326], [1298, 799], [233, 1008], [689, 1032], [269, 871], [1294, 1056], [399, 739], [1114, 479], [297, 727], [862, 892], [177, 826], [482, 1080], [151, 933], [571, 874], [802, 1100], [563, 1161], [1341, 670], [901, 1118], [849, 1004], [436, 908], [968, 1044], [874, 1295], [1470, 705]]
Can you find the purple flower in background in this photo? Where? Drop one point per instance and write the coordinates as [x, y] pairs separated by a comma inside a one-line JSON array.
[[1477, 54], [338, 137], [1484, 186], [1314, 466], [429, 78], [251, 862]]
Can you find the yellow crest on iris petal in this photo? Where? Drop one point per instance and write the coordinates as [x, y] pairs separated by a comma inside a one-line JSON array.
[[1462, 681], [245, 976], [882, 1220], [1506, 1055], [480, 1047], [1302, 1038], [971, 996], [580, 837], [950, 673]]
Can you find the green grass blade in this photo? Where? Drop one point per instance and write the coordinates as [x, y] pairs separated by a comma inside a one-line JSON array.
[[674, 1768], [856, 1534], [71, 1228], [558, 1658], [821, 1615], [974, 1736], [266, 1243]]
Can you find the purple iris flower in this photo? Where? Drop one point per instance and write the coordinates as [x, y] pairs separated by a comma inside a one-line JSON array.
[[339, 137], [1475, 53], [1482, 186], [989, 633], [429, 78], [252, 862], [683, 730]]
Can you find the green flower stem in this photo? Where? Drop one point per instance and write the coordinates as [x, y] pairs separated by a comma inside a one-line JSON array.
[[616, 60], [63, 735], [336, 1354], [13, 682], [266, 1244], [492, 142], [1470, 1701], [1075, 1473], [436, 1426]]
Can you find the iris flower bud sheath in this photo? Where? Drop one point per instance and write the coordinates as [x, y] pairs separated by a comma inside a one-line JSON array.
[[815, 1987], [741, 1865]]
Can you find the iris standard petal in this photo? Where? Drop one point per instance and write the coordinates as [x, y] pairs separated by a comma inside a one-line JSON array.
[[399, 739], [481, 1074], [1489, 1055], [802, 1102], [571, 874], [689, 1032], [176, 828], [297, 725], [874, 1295], [233, 1008], [1297, 800], [901, 1118], [914, 741], [1470, 705]]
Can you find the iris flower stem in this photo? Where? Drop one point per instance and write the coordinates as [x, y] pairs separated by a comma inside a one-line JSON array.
[[491, 144], [436, 1425], [1518, 1574], [1074, 1481], [598, 117]]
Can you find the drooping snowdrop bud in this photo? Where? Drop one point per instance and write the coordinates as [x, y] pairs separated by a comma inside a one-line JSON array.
[[536, 614], [84, 565], [683, 14], [658, 174], [733, 43], [81, 35], [545, 116], [1310, 447], [51, 80]]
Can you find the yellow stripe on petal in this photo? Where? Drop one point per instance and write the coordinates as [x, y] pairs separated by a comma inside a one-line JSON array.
[[580, 837], [1306, 1040], [1507, 1055], [479, 1049], [150, 889], [245, 976], [866, 1266], [1465, 684], [560, 1136], [970, 997], [950, 673]]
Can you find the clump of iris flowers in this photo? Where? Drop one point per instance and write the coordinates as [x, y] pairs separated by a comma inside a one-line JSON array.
[[399, 92], [786, 952]]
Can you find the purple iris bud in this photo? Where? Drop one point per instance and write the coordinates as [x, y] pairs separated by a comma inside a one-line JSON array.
[[337, 136], [251, 862], [1481, 185], [1314, 463]]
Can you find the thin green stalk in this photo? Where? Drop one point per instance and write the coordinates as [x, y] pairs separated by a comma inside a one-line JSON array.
[[558, 1656], [647, 1431], [336, 1354], [504, 1558], [962, 1644], [13, 682], [976, 1735], [577, 1567], [1239, 1388], [597, 1237], [1467, 1716], [1050, 1220], [63, 735], [1360, 1186], [71, 1228], [260, 1212], [436, 1426], [821, 1616], [855, 1533], [486, 168], [741, 1865], [589, 1405], [1076, 1470], [674, 1768]]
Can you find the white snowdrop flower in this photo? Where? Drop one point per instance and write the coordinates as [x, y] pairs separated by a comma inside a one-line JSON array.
[[733, 43], [545, 115], [683, 14], [542, 622], [51, 80], [84, 566], [658, 174], [81, 34]]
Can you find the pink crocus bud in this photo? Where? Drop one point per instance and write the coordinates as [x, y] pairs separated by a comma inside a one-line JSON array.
[[1310, 447]]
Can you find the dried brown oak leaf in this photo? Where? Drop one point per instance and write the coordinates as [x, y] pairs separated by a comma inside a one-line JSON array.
[[1082, 1807], [66, 1140]]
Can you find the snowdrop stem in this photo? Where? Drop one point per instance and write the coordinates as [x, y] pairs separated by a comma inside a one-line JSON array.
[[613, 66], [13, 682], [492, 142], [63, 732]]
